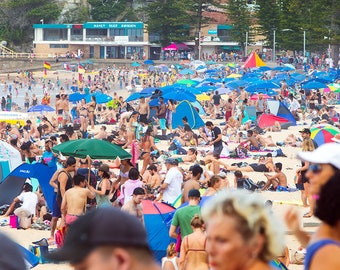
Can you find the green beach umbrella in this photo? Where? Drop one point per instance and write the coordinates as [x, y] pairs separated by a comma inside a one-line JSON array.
[[94, 148]]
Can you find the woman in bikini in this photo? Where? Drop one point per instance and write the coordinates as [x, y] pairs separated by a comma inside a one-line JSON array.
[[91, 109], [103, 187], [131, 129], [84, 114], [125, 166], [193, 254], [147, 145], [214, 185]]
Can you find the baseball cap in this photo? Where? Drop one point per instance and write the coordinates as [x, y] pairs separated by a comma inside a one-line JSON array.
[[95, 229], [328, 153], [194, 193], [305, 130]]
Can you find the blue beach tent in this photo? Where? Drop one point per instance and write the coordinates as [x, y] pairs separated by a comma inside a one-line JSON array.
[[185, 109]]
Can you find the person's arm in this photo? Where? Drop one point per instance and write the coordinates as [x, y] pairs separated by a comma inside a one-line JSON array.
[[152, 143], [271, 177], [53, 180], [293, 223], [172, 231], [62, 183], [11, 207], [63, 208], [183, 253]]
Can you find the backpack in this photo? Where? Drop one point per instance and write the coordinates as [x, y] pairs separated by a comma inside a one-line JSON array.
[[249, 184]]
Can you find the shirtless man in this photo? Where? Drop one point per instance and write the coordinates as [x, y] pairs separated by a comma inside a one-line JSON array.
[[32, 131], [135, 206], [228, 109], [192, 182], [74, 201], [251, 143], [58, 105], [153, 179], [276, 180], [65, 105], [144, 110], [101, 134], [243, 94]]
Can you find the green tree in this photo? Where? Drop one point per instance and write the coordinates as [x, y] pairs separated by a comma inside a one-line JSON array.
[[79, 14], [111, 10], [18, 16], [168, 19]]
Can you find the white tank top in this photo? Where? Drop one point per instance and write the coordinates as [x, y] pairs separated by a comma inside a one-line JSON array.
[[172, 260]]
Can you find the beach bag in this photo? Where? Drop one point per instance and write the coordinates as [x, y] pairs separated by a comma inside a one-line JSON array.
[[248, 184], [59, 236]]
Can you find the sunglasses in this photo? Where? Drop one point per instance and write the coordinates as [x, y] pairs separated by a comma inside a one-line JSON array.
[[315, 168]]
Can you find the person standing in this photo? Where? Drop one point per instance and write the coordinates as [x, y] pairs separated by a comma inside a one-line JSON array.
[[216, 139], [228, 109], [216, 98], [161, 114], [75, 199], [135, 206], [184, 215], [143, 110], [64, 181], [103, 188], [260, 105], [106, 238], [172, 186]]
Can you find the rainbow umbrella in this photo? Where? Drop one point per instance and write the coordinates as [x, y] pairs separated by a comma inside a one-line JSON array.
[[323, 133], [335, 87]]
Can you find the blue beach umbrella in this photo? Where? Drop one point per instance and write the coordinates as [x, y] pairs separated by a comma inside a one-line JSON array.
[[100, 97], [74, 97], [179, 96], [186, 71], [148, 90], [135, 64], [41, 108], [148, 62], [313, 85]]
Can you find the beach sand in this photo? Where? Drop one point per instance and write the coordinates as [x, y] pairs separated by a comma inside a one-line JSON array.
[[282, 200]]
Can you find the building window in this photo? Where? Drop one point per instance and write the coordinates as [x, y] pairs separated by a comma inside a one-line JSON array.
[[55, 34], [58, 46], [96, 34]]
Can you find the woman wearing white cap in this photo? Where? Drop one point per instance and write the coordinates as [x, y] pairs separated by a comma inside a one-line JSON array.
[[323, 251]]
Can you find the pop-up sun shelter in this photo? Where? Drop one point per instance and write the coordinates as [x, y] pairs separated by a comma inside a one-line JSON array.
[[11, 186], [279, 109], [185, 109], [10, 158]]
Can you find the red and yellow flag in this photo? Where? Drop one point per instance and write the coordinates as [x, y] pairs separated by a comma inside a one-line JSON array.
[[47, 65]]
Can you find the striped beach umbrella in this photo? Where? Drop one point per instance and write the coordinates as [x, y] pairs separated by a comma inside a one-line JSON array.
[[323, 133]]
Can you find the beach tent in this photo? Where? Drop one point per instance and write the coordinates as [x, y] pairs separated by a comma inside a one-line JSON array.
[[10, 158], [176, 47], [11, 186], [279, 109], [157, 216], [253, 60], [268, 120], [186, 109]]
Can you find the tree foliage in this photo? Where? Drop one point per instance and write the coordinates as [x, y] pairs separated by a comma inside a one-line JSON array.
[[111, 10], [78, 14], [18, 16], [240, 18], [169, 20]]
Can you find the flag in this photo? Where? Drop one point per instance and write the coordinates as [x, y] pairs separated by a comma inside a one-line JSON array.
[[81, 69], [47, 65]]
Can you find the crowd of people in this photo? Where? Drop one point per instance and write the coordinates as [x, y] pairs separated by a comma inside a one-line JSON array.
[[154, 172]]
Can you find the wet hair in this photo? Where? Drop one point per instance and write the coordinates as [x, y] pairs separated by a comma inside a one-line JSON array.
[[27, 187], [209, 124], [70, 161], [64, 137], [278, 165], [196, 170], [133, 174], [213, 180], [252, 218], [197, 222], [329, 200], [238, 174], [171, 250], [77, 179]]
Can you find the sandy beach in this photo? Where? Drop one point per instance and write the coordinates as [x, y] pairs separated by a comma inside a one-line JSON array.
[[282, 200]]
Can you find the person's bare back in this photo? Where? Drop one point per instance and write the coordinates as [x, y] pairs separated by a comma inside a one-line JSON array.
[[75, 200]]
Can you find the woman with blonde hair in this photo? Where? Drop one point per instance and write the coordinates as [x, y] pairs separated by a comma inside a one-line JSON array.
[[170, 262], [242, 234], [307, 146], [193, 254]]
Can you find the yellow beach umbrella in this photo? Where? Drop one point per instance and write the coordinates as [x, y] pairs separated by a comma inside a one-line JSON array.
[[202, 97], [234, 75]]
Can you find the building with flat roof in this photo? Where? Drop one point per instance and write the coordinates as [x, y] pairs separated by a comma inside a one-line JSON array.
[[102, 40]]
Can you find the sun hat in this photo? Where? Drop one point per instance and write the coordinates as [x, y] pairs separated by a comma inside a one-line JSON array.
[[95, 229], [328, 153]]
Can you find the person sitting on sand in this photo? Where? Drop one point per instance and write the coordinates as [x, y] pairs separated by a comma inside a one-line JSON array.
[[279, 179], [191, 156], [265, 141], [275, 127], [251, 143]]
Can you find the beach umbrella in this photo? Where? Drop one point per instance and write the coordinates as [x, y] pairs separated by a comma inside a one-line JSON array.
[[232, 65], [180, 96], [264, 68], [206, 88], [148, 62], [224, 90], [135, 64], [202, 97], [187, 82], [187, 71], [41, 108], [148, 90], [100, 98], [323, 133], [155, 102], [262, 85], [96, 149], [335, 87], [234, 75], [289, 66], [313, 85], [134, 96], [162, 68], [74, 97], [279, 68]]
